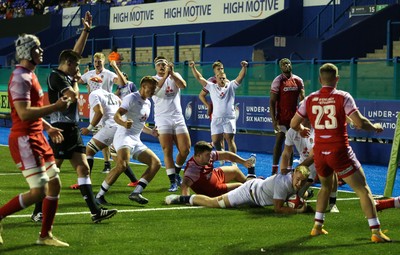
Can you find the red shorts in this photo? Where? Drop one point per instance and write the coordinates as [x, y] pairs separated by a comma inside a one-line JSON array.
[[30, 151], [212, 187], [341, 160]]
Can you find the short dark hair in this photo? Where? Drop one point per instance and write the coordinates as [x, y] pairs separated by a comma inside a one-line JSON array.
[[68, 55], [202, 146]]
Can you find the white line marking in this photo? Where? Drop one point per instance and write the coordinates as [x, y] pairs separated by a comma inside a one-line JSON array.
[[119, 211]]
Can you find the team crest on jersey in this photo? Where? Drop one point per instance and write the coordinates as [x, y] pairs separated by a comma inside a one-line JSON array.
[[96, 79], [188, 111], [169, 92]]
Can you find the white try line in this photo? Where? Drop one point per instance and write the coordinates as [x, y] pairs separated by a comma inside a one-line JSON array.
[[119, 211], [151, 209]]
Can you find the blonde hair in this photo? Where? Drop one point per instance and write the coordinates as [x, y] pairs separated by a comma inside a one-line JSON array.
[[99, 55], [217, 64], [220, 74], [305, 171]]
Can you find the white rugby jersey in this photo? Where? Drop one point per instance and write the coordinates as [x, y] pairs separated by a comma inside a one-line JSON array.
[[106, 78], [223, 99], [167, 99], [303, 145], [109, 102], [138, 110], [277, 186]]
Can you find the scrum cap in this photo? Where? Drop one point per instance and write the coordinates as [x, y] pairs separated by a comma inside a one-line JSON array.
[[24, 45]]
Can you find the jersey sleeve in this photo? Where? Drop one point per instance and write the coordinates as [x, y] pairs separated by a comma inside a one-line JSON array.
[[94, 99], [208, 86], [290, 135], [281, 187], [127, 102], [85, 77], [302, 110], [235, 84], [20, 88], [57, 83], [349, 104], [214, 156], [132, 86], [275, 85]]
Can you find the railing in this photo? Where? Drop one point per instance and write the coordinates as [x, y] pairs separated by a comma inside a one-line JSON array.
[[333, 13], [377, 79], [389, 39], [131, 42]]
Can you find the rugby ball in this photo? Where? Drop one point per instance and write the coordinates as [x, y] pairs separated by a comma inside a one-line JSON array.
[[295, 201]]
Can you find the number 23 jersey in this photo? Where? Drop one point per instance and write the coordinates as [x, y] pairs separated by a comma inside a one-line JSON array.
[[327, 109]]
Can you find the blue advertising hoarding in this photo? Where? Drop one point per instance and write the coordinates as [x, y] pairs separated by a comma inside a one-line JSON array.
[[253, 113]]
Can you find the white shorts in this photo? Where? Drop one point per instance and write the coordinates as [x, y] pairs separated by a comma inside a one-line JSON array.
[[174, 125], [241, 195], [106, 134], [223, 126], [282, 129], [134, 145], [313, 172]]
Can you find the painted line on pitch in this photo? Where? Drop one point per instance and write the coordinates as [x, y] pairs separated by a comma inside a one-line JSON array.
[[150, 209], [119, 211]]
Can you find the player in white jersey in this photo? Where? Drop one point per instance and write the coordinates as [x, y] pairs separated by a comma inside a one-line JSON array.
[[122, 91], [100, 75], [274, 190], [304, 146], [131, 118], [127, 87], [106, 79], [223, 123], [104, 105], [169, 119]]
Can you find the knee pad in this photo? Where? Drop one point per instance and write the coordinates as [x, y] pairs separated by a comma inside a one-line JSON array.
[[52, 170], [93, 146]]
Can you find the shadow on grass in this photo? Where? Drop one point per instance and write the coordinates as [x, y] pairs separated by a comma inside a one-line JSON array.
[[296, 246], [18, 248]]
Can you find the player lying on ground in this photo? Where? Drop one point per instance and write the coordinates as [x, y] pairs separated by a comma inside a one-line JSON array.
[[274, 190]]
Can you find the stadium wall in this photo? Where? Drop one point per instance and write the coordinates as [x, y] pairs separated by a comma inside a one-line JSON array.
[[254, 125], [362, 33]]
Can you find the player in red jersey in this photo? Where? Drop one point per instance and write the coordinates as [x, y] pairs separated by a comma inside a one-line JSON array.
[[287, 90], [201, 176], [28, 145], [327, 110]]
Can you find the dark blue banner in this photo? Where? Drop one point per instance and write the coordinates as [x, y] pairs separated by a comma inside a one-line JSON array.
[[253, 113]]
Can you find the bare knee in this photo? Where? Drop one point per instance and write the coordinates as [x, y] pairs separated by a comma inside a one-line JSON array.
[[155, 164]]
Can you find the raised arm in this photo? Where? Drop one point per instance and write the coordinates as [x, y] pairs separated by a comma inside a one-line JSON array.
[[360, 121], [180, 82], [197, 74], [81, 42], [242, 72], [123, 79]]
